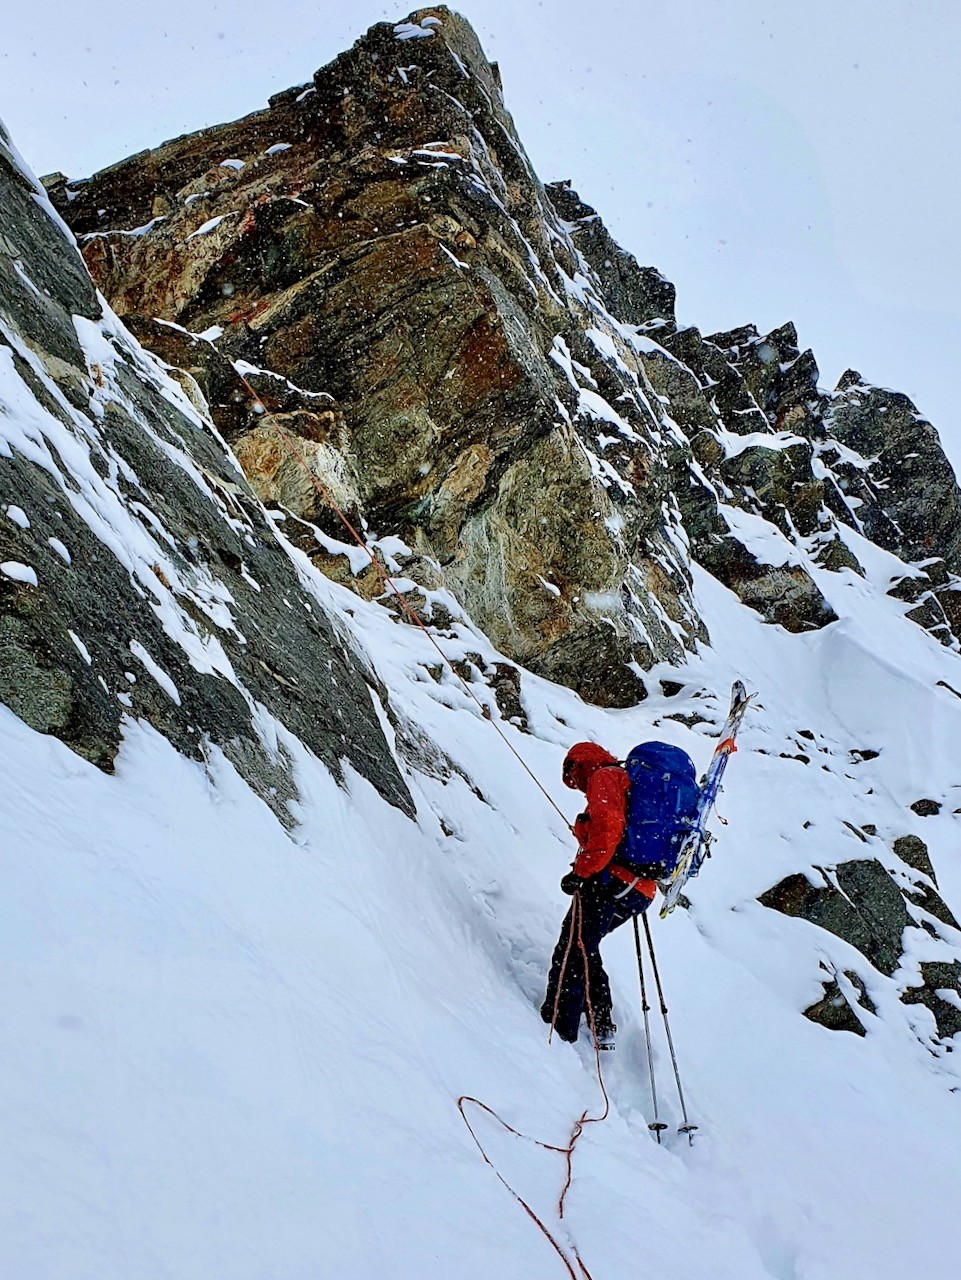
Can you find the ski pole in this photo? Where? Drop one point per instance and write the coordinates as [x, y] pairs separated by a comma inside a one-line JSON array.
[[656, 1124], [686, 1127]]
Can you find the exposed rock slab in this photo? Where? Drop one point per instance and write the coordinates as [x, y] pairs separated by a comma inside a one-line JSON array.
[[864, 907], [940, 991], [148, 552], [379, 237]]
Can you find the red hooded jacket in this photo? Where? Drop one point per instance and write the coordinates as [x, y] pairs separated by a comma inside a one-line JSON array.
[[591, 769]]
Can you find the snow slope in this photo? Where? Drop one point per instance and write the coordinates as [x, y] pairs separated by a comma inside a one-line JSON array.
[[235, 1052]]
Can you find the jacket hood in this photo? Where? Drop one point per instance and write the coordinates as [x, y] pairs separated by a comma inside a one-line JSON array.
[[583, 760]]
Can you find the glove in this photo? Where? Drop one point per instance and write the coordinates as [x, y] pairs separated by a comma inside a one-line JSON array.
[[571, 883]]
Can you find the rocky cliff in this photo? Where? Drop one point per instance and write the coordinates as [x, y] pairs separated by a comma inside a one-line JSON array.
[[140, 577], [368, 275], [471, 364], [392, 320]]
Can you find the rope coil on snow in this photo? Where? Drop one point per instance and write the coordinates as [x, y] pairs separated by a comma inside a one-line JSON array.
[[580, 1125]]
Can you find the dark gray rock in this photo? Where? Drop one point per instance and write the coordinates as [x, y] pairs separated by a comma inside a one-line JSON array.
[[912, 850], [782, 594], [778, 376], [189, 612], [63, 285], [834, 1011], [909, 498], [866, 909], [931, 901], [635, 294], [781, 480], [505, 680], [939, 976], [926, 808]]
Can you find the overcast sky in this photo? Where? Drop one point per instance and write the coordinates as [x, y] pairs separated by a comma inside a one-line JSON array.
[[775, 159]]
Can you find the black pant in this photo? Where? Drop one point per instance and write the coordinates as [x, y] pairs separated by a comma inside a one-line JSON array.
[[600, 914]]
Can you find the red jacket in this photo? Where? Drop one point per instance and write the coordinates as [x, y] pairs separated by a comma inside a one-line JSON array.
[[591, 769]]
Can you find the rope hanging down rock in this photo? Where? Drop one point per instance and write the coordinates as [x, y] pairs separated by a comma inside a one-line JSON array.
[[389, 583]]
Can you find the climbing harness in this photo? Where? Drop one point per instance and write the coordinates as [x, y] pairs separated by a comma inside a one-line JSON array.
[[627, 888]]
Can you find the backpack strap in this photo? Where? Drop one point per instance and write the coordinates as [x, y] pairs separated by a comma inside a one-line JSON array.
[[628, 887]]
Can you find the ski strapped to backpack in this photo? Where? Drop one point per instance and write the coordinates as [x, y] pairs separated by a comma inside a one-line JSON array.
[[695, 844]]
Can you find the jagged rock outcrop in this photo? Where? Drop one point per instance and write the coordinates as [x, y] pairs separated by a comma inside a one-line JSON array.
[[893, 472], [814, 464], [134, 558], [862, 903], [635, 294], [859, 903], [468, 361], [379, 237]]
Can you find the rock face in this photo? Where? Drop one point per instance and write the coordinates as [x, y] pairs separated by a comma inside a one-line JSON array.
[[939, 991], [905, 492], [466, 360], [134, 553], [863, 906], [378, 241], [635, 294], [816, 465], [836, 1010], [862, 903]]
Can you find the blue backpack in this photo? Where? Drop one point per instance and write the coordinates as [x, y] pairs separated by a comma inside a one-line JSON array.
[[661, 806]]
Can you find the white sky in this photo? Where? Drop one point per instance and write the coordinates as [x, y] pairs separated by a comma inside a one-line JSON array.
[[776, 160]]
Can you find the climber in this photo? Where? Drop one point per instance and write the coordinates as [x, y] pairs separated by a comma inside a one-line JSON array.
[[605, 896]]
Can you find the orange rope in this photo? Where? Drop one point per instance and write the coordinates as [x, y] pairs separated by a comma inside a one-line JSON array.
[[575, 906], [545, 1146], [391, 586], [581, 1123], [585, 1119]]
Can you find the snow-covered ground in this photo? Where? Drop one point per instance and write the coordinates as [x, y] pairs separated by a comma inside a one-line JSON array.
[[234, 1053]]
